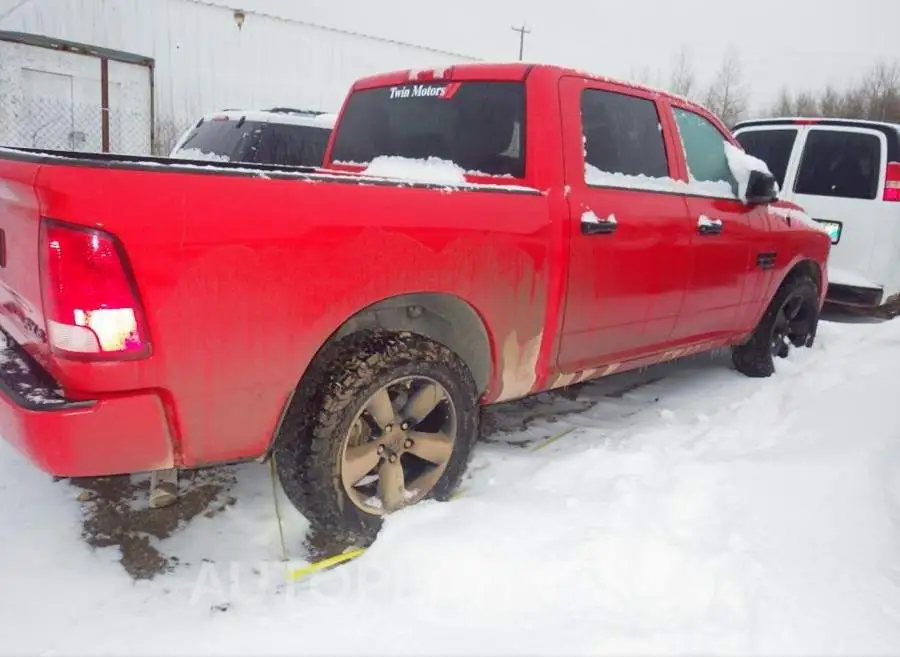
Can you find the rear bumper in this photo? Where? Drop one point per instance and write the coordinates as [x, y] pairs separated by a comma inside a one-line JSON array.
[[115, 435], [854, 296], [854, 292]]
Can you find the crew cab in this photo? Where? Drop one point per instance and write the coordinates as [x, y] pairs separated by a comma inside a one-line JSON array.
[[476, 235]]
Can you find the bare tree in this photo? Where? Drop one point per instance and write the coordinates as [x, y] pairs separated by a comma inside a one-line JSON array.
[[644, 75], [726, 96], [830, 103], [682, 80], [876, 97], [881, 90], [853, 104], [784, 106], [806, 104]]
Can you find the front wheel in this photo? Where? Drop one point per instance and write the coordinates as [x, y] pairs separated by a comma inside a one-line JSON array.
[[790, 320], [394, 424]]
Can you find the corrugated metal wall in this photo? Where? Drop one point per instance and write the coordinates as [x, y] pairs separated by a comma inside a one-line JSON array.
[[204, 62]]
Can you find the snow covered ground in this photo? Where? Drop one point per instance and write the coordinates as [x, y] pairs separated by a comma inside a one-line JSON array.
[[688, 510]]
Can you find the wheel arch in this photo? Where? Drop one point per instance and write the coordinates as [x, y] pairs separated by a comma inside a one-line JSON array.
[[442, 317], [803, 267], [800, 267], [445, 318]]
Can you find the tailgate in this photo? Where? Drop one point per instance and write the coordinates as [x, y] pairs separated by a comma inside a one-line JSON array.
[[21, 314]]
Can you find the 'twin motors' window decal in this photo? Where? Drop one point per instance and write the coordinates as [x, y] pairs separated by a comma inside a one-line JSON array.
[[442, 91]]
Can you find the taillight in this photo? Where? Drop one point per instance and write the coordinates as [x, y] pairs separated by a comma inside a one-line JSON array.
[[892, 182], [90, 302]]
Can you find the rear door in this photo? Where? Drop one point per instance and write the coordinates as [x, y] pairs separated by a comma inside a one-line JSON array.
[[629, 254], [730, 253], [840, 181]]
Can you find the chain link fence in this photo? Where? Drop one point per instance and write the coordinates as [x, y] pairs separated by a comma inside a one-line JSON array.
[[68, 125]]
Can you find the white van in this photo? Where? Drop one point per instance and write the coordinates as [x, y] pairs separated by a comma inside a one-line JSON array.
[[846, 175]]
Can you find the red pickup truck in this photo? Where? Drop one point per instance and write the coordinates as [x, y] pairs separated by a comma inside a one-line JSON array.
[[476, 235]]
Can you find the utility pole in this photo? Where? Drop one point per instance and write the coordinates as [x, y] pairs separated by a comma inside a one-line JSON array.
[[522, 32]]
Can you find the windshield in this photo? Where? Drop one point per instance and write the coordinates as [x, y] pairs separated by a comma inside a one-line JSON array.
[[479, 126]]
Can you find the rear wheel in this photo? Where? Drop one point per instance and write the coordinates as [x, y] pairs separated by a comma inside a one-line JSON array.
[[393, 423], [790, 320]]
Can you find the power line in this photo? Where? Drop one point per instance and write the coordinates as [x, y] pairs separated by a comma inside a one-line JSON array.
[[333, 30], [522, 32], [15, 7]]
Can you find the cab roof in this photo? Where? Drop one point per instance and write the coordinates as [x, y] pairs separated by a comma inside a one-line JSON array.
[[512, 71]]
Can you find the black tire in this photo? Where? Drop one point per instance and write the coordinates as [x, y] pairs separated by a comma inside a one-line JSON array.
[[756, 357], [308, 452]]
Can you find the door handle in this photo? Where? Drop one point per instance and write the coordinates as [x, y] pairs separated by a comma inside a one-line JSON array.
[[707, 226], [591, 224]]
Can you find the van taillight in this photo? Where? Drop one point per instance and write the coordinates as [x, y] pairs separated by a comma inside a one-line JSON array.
[[892, 182], [90, 301]]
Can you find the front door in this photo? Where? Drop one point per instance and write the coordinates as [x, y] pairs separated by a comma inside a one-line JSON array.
[[729, 254], [629, 253]]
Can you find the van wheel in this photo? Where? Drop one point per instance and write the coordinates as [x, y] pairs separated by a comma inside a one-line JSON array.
[[394, 424], [791, 319]]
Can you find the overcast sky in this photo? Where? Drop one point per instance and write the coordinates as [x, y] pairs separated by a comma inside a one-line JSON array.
[[794, 42], [798, 43]]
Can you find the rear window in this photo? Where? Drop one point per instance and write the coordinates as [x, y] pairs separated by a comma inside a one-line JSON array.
[[292, 145], [479, 126], [220, 139], [774, 147], [842, 164]]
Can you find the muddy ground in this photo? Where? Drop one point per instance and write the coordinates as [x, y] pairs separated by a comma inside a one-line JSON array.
[[116, 513]]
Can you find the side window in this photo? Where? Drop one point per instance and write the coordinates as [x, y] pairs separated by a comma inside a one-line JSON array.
[[622, 137], [704, 149], [774, 147], [839, 163]]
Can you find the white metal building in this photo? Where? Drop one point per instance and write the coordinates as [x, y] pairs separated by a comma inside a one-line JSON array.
[[152, 67]]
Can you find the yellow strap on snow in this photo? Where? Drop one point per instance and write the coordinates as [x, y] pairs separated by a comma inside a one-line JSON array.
[[552, 440], [300, 573], [272, 474]]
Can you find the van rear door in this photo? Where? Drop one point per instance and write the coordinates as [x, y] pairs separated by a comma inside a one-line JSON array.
[[840, 181]]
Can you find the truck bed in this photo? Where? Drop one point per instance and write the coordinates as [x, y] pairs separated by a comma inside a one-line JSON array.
[[222, 257]]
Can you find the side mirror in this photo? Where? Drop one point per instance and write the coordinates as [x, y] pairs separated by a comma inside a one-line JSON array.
[[762, 188]]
